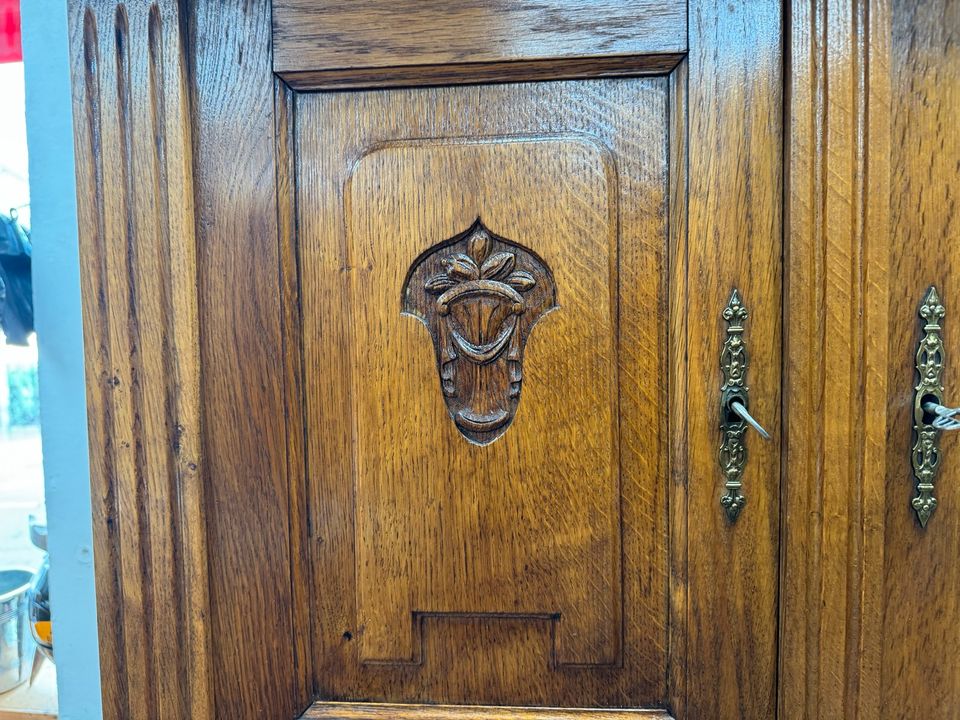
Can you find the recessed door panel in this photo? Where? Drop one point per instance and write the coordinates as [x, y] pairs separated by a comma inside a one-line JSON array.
[[484, 311], [470, 511]]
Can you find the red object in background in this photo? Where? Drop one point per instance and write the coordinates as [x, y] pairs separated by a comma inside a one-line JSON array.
[[10, 50]]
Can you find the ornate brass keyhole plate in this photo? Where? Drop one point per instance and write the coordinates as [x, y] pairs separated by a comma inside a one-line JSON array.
[[925, 457], [734, 362]]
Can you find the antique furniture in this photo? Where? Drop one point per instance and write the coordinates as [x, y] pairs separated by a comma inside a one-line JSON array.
[[432, 345]]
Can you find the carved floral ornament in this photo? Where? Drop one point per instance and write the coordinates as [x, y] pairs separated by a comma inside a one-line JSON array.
[[479, 295]]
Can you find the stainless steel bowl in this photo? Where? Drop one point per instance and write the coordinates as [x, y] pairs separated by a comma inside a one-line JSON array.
[[16, 641]]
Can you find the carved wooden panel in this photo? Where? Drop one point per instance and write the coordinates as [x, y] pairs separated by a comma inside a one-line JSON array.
[[408, 456], [525, 562], [479, 295]]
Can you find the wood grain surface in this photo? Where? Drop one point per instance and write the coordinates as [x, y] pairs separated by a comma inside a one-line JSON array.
[[921, 629], [194, 597], [453, 560], [387, 33], [869, 597], [140, 311], [301, 581], [254, 662], [374, 711], [835, 371], [478, 73], [218, 235], [537, 514], [678, 141], [735, 240]]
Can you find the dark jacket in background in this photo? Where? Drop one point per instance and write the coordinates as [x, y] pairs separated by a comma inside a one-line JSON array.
[[16, 283]]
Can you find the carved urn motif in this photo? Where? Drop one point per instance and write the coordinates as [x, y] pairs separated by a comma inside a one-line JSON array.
[[479, 295]]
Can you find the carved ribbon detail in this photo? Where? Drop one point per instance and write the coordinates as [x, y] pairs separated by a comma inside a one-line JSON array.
[[479, 295], [733, 364], [926, 450]]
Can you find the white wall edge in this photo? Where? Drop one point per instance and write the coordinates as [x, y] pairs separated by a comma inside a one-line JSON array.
[[56, 282]]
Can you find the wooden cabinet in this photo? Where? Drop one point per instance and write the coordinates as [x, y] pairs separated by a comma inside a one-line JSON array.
[[417, 332]]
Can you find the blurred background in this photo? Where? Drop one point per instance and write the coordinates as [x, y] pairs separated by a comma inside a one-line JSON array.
[[21, 474], [27, 680]]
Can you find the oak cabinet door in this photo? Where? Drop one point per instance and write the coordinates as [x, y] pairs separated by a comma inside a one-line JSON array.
[[483, 281], [870, 614], [511, 383]]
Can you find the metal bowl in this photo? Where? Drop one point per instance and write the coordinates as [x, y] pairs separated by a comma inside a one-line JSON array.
[[16, 641]]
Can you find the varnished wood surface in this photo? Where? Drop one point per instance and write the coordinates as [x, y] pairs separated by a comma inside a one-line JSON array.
[[139, 279], [921, 629], [301, 581], [677, 391], [374, 711], [386, 33], [735, 240], [248, 493], [442, 521], [484, 546], [870, 610], [835, 370], [178, 618], [476, 73]]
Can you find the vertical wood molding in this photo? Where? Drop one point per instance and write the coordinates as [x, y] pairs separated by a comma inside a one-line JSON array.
[[677, 431], [259, 664], [139, 282], [301, 572], [179, 212], [836, 371]]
